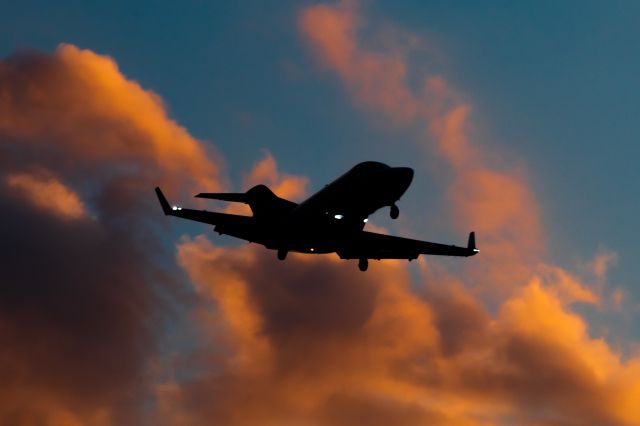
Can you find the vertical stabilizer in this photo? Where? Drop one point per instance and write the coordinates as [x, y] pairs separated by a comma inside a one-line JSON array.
[[163, 202]]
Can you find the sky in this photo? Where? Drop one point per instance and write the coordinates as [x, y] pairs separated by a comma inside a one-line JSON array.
[[520, 121]]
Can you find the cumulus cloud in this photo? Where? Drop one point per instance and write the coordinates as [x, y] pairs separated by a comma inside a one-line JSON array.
[[284, 185], [49, 194], [266, 172], [84, 288], [310, 341], [78, 103]]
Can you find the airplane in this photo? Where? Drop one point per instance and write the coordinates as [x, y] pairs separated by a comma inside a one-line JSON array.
[[331, 220]]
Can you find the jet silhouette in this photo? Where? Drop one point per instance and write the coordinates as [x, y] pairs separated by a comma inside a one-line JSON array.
[[331, 220]]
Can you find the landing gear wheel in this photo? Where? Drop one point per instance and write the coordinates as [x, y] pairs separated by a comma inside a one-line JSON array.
[[394, 212], [363, 264], [282, 254]]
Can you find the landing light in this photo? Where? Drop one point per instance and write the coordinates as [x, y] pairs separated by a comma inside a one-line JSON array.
[[311, 249], [366, 220], [176, 208], [338, 216]]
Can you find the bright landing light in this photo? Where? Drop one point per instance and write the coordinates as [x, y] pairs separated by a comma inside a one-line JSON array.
[[366, 220], [338, 216]]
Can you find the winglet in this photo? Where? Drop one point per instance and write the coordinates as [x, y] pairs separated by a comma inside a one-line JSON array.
[[471, 244], [166, 208]]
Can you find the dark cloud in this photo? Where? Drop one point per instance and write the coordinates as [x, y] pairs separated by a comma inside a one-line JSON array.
[[78, 309], [346, 410], [314, 341], [85, 279]]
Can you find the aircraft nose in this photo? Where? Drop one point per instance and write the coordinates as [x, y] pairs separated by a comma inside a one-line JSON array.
[[404, 176]]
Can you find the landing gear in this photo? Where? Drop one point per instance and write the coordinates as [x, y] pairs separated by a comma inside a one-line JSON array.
[[282, 254], [394, 212], [363, 264]]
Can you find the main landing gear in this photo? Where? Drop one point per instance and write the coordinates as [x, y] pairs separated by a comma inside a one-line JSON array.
[[394, 212], [282, 254], [363, 264]]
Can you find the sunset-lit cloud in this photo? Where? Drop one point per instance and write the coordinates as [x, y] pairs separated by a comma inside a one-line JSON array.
[[265, 172], [318, 343], [284, 185], [49, 194], [79, 102], [83, 302], [376, 79]]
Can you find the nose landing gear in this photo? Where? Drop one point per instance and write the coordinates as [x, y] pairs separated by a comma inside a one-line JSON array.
[[363, 264], [282, 254], [394, 212]]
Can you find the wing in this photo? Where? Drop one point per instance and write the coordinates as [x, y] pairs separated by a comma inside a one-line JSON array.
[[244, 227], [370, 245]]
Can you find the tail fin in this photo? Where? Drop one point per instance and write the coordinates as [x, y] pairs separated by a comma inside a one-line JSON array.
[[166, 208], [471, 244]]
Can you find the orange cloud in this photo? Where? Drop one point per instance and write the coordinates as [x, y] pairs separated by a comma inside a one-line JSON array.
[[376, 79], [283, 185], [79, 102], [266, 172], [82, 301], [313, 342], [49, 194]]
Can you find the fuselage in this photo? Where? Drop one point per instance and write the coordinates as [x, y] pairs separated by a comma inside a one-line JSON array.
[[354, 196]]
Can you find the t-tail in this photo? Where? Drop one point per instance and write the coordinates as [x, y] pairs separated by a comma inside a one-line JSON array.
[[262, 200]]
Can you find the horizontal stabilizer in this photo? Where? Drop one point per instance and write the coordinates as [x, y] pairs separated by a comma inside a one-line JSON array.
[[225, 196]]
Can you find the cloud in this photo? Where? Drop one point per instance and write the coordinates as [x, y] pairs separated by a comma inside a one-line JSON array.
[[296, 331], [49, 194], [78, 103], [85, 286], [283, 185], [312, 341], [265, 172], [375, 79]]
